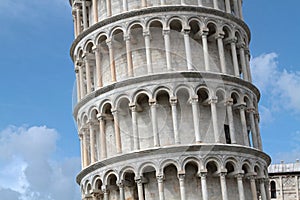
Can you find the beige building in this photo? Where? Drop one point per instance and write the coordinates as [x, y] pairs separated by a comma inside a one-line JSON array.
[[285, 181], [166, 108]]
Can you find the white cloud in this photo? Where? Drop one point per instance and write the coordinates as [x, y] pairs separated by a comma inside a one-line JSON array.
[[27, 171], [281, 88]]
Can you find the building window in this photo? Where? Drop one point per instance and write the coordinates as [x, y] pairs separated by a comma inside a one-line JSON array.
[[273, 189], [227, 134]]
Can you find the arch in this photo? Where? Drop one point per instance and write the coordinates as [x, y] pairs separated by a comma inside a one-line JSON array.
[[101, 38], [191, 160], [246, 167], [108, 175], [221, 95], [135, 23], [212, 164], [88, 188], [126, 169], [140, 92], [235, 97], [116, 30], [273, 189], [155, 22], [170, 23], [88, 46], [186, 87], [104, 104], [97, 183], [92, 113], [167, 163], [146, 166], [231, 165], [160, 89], [118, 100]]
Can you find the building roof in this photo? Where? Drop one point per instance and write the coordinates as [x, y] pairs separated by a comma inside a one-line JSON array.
[[284, 167]]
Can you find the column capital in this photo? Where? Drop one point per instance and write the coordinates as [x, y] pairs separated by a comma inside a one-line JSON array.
[[101, 116], [202, 173], [141, 180], [160, 178], [79, 62], [181, 176], [173, 101], [76, 70], [220, 35], [251, 110], [133, 107], [229, 102], [240, 106], [204, 31], [230, 40], [213, 100], [146, 33], [241, 45], [127, 37], [239, 175], [194, 99], [165, 32], [96, 48], [92, 123], [152, 102], [186, 31]]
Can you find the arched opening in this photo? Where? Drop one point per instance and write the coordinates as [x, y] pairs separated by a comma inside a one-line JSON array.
[[104, 57], [120, 56], [196, 45], [240, 41], [164, 118], [237, 118], [273, 190], [231, 180], [149, 173], [157, 47], [95, 135], [178, 54], [130, 187], [248, 122], [171, 182], [125, 123], [206, 127], [138, 50], [109, 130], [227, 50], [144, 121], [113, 188], [86, 141], [214, 60], [192, 181], [213, 180], [185, 117]]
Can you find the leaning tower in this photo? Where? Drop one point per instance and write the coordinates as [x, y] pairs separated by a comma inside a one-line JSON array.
[[165, 106]]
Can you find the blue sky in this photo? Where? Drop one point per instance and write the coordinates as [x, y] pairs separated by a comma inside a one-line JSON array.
[[37, 130]]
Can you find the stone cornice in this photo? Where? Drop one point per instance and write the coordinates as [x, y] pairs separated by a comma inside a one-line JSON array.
[[171, 75], [202, 149], [153, 10]]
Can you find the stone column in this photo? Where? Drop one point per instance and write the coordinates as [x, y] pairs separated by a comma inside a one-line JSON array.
[[235, 62], [227, 5], [223, 185], [96, 50], [121, 190], [182, 2], [85, 147], [136, 140], [152, 104], [162, 2], [144, 3], [229, 104], [105, 193], [88, 74], [248, 56], [240, 8], [101, 119], [214, 118], [84, 15], [181, 178], [200, 3], [173, 102], [204, 35], [251, 112], [92, 142], [74, 22], [239, 178], [78, 20], [219, 39], [95, 11], [78, 83], [216, 6], [262, 189], [117, 131], [196, 120], [166, 34], [242, 108], [111, 60], [204, 185], [241, 47], [236, 8], [125, 5], [81, 80], [81, 149], [161, 193], [297, 187], [129, 56], [188, 52], [256, 117], [253, 187], [148, 51], [281, 187], [140, 189], [108, 8]]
